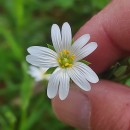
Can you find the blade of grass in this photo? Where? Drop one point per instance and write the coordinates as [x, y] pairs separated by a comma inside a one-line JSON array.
[[18, 11], [12, 43], [26, 93]]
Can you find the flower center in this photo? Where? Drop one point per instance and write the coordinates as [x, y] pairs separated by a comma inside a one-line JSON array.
[[65, 59]]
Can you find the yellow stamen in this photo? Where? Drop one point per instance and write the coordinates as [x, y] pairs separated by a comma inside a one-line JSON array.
[[72, 57], [62, 66], [66, 52], [70, 65], [67, 64], [59, 60], [60, 53]]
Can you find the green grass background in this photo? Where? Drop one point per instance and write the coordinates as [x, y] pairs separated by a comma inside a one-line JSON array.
[[23, 104]]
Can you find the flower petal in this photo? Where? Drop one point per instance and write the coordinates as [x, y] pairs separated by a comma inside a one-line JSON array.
[[42, 52], [80, 42], [56, 37], [66, 36], [35, 73], [53, 84], [33, 70], [85, 51], [43, 70], [64, 85], [43, 61], [78, 78], [88, 73], [42, 57]]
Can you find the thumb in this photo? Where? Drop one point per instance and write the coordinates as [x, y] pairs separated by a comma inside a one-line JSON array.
[[106, 107]]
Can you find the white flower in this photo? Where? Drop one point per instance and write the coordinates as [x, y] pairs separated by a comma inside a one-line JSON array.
[[66, 58], [38, 73]]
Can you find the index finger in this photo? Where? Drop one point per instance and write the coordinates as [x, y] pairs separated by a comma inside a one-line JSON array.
[[111, 30]]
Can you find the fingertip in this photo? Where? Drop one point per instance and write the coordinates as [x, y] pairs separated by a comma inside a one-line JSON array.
[[106, 100], [74, 110], [110, 28]]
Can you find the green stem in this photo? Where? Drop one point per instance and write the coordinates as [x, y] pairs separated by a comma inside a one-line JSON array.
[[23, 120]]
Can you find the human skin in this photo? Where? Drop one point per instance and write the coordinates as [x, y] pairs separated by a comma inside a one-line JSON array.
[[107, 105]]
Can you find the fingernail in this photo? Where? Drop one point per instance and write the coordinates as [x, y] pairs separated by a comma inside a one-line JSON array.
[[74, 110]]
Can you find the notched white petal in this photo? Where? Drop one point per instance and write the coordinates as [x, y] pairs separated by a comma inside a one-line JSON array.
[[86, 50], [79, 79], [42, 57], [56, 37], [64, 85], [59, 79], [45, 62], [87, 72], [80, 42], [41, 51], [66, 36], [53, 84]]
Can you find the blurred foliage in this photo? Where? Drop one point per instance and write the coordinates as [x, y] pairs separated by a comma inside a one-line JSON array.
[[23, 23], [120, 72]]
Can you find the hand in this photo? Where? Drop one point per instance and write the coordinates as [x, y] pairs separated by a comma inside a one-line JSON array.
[[107, 105]]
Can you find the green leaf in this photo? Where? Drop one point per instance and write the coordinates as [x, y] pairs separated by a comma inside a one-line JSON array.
[[100, 5], [50, 47], [50, 70], [127, 82], [120, 71], [129, 60], [85, 62], [64, 4]]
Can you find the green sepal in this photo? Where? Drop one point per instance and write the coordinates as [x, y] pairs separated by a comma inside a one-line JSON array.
[[85, 62], [72, 42], [50, 70], [50, 47]]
